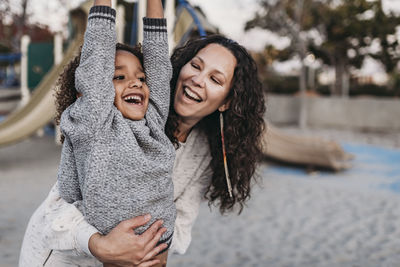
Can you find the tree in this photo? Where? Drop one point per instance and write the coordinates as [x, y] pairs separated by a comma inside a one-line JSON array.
[[288, 18], [18, 19], [14, 22], [340, 33], [349, 30]]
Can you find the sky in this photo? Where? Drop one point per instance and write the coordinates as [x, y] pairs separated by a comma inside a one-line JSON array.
[[229, 15]]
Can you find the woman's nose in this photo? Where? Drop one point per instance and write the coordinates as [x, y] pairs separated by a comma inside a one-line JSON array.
[[135, 83], [198, 80]]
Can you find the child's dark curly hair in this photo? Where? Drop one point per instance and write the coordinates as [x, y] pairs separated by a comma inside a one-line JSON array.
[[65, 91], [244, 123]]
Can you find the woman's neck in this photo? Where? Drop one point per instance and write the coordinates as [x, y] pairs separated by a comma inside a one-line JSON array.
[[183, 130]]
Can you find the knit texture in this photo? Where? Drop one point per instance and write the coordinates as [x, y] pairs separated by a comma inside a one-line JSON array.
[[114, 168]]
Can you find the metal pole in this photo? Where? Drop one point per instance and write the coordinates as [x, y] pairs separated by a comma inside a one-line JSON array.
[[58, 55], [170, 16], [25, 94], [120, 23], [345, 85], [302, 77], [141, 13], [58, 49]]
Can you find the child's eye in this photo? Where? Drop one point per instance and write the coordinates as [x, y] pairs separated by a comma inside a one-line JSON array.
[[142, 79], [119, 77]]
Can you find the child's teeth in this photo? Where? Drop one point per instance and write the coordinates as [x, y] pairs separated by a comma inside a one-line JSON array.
[[138, 98]]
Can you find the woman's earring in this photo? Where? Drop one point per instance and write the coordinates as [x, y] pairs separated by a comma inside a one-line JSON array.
[[228, 180]]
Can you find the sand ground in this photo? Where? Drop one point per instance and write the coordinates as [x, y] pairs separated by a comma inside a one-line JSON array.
[[293, 218]]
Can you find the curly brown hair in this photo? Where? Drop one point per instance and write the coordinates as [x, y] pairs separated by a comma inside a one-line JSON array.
[[65, 91], [244, 124]]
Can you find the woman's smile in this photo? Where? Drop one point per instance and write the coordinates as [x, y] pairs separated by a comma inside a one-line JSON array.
[[192, 95], [204, 83]]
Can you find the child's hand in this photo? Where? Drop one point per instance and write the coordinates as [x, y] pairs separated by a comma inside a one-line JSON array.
[[102, 3], [154, 9]]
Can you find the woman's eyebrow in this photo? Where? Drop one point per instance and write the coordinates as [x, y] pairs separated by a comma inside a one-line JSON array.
[[199, 58], [215, 69]]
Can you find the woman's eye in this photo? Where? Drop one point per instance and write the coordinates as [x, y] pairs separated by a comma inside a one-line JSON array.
[[119, 77], [194, 65], [215, 80]]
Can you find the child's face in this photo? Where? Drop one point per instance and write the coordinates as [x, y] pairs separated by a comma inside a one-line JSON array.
[[131, 91]]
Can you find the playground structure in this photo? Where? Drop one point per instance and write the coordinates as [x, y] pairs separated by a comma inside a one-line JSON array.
[[40, 108]]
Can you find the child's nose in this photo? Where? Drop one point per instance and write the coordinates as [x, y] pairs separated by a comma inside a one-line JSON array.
[[135, 83]]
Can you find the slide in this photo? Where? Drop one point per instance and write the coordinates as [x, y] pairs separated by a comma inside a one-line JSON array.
[[304, 150], [309, 151], [40, 109]]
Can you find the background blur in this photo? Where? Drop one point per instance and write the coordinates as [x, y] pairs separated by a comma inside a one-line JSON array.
[[328, 192]]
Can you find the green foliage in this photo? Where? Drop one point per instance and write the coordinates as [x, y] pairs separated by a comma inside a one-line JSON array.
[[288, 85], [373, 89], [346, 31], [281, 84]]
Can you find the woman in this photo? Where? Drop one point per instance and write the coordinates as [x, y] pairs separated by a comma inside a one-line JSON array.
[[215, 86]]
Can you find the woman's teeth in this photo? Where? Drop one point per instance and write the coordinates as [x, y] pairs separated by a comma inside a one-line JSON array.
[[192, 95]]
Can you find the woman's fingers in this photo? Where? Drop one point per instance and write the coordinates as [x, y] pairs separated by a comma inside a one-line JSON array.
[[149, 263], [135, 222], [153, 242], [154, 252], [122, 246], [149, 234]]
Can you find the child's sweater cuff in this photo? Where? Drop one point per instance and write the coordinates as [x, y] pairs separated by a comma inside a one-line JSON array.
[[155, 27], [102, 13]]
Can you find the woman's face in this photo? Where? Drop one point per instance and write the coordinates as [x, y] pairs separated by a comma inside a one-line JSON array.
[[204, 83]]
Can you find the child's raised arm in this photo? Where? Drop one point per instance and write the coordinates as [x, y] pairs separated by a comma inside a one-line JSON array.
[[154, 9], [94, 75], [93, 79], [102, 3], [157, 64]]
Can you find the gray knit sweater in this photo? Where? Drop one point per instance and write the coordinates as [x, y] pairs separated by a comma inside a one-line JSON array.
[[111, 167]]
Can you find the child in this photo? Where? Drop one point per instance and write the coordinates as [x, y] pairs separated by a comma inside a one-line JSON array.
[[116, 161]]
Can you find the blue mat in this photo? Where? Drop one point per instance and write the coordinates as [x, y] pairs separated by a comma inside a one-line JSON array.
[[378, 166]]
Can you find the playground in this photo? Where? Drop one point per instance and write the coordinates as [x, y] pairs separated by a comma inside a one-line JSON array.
[[296, 217], [328, 190]]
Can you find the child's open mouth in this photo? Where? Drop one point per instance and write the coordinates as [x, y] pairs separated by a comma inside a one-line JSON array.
[[136, 99]]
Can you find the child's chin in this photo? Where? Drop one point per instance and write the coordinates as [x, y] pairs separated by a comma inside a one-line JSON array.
[[137, 116]]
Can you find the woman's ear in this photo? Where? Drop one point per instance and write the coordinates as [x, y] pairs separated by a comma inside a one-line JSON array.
[[224, 106]]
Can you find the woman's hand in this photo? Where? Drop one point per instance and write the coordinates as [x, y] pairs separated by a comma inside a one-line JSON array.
[[123, 247]]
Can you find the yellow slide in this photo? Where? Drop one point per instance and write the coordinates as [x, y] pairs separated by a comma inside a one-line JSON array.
[[312, 151], [40, 109]]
